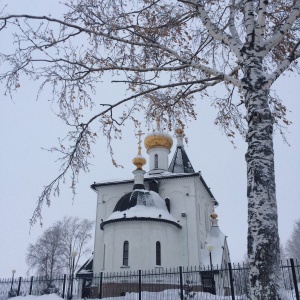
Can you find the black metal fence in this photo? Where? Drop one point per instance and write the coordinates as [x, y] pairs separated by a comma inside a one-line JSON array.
[[61, 285], [180, 283]]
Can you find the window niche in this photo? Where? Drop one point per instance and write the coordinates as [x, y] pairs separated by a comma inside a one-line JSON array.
[[125, 253], [168, 204], [156, 161], [158, 254]]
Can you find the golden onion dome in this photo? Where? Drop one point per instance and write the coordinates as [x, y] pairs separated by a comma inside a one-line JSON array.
[[213, 215], [139, 161], [158, 139]]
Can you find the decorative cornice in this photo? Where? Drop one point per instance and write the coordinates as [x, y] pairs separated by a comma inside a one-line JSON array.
[[139, 219]]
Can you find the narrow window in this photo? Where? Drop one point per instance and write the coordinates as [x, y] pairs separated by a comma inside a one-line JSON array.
[[167, 201], [125, 253], [158, 254], [156, 161]]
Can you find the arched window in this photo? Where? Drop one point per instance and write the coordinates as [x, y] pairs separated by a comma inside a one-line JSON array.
[[156, 161], [158, 254], [125, 253]]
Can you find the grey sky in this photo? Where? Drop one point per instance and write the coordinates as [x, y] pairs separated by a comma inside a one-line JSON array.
[[27, 125]]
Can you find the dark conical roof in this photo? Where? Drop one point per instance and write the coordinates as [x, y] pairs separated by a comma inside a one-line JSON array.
[[180, 162]]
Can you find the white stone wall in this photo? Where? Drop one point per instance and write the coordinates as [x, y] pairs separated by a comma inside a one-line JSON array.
[[142, 237], [107, 198], [188, 195], [163, 160], [190, 204]]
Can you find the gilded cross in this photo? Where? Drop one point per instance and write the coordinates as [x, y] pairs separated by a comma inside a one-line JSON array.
[[139, 134]]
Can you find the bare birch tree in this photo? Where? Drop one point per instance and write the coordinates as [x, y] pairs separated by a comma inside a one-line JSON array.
[[51, 255], [45, 256], [75, 236], [169, 54], [292, 247]]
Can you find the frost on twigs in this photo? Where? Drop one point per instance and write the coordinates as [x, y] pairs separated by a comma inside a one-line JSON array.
[[169, 55]]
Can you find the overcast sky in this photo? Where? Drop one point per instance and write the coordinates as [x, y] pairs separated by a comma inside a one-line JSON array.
[[28, 125]]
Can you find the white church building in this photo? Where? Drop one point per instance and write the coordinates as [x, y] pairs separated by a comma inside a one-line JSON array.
[[163, 217]]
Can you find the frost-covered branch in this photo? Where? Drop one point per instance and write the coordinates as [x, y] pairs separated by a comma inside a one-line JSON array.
[[249, 20], [232, 26], [283, 65], [282, 31], [261, 22], [213, 29]]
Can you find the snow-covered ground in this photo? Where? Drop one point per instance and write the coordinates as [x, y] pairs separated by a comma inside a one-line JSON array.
[[166, 295]]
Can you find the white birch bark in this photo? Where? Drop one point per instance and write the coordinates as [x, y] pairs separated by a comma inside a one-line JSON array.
[[263, 238]]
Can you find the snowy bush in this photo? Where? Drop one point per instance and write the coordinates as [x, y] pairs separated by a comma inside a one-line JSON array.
[[50, 289], [12, 293]]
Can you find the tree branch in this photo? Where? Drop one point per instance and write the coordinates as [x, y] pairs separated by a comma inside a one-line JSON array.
[[283, 65], [249, 20], [213, 29], [279, 36], [232, 27], [261, 22]]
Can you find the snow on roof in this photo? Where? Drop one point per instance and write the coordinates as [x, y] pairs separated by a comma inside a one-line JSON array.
[[216, 238], [148, 205], [141, 211], [159, 132], [87, 267], [147, 176], [180, 162], [164, 175]]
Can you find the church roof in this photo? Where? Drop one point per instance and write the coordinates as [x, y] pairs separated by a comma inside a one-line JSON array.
[[180, 162], [139, 197], [217, 239], [141, 205], [158, 177]]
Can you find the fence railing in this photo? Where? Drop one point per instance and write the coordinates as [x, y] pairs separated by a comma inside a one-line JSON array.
[[38, 286], [229, 282]]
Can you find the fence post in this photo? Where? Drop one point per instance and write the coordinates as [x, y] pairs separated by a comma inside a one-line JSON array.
[[19, 286], [294, 279], [181, 283], [231, 281], [64, 286], [31, 283], [140, 285], [101, 279]]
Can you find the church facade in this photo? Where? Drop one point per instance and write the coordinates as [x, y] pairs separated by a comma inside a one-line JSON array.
[[161, 218]]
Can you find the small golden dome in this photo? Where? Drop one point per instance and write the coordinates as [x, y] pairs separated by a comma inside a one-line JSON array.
[[179, 131], [213, 215], [158, 139], [139, 161]]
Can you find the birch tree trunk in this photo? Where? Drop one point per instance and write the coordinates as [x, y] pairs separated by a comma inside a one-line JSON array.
[[263, 238]]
